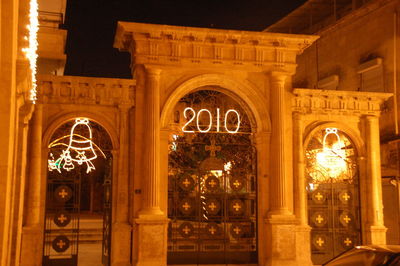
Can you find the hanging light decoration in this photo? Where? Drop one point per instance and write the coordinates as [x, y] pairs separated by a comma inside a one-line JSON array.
[[80, 149], [31, 50], [331, 163]]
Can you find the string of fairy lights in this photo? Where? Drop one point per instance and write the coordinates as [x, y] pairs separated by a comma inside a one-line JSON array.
[[31, 50]]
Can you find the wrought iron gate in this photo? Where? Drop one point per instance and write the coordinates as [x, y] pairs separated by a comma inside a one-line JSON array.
[[106, 246], [74, 154], [212, 195], [62, 218], [333, 195]]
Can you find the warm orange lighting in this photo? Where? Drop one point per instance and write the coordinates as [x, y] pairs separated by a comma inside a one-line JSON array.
[[331, 164], [332, 158], [31, 50]]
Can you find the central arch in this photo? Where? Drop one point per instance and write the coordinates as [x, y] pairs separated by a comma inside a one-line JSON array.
[[248, 95], [212, 181]]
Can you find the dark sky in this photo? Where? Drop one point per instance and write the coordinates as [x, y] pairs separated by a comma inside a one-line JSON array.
[[91, 26]]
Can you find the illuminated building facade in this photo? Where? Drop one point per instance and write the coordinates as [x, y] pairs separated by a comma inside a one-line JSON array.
[[210, 155]]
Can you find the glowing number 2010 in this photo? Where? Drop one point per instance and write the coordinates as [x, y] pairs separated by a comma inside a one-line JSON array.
[[210, 119]]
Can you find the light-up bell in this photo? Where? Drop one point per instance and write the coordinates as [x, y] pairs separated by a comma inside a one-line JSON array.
[[80, 148], [331, 161]]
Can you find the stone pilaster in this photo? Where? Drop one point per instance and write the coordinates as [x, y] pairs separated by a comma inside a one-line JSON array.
[[262, 140], [303, 251], [32, 231], [300, 206], [121, 228], [152, 224], [25, 115], [376, 231]]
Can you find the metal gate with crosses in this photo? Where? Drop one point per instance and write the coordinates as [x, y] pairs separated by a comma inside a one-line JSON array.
[[212, 185], [78, 149], [333, 194]]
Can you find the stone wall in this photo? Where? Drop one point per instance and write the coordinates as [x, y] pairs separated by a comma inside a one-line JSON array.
[[365, 34]]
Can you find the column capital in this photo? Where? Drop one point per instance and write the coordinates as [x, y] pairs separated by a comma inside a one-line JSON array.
[[152, 70], [298, 115], [279, 76], [371, 117]]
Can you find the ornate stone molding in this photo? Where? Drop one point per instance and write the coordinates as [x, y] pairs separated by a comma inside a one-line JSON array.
[[174, 45], [85, 90], [338, 102]]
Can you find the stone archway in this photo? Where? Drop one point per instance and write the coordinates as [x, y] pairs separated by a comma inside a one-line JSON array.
[[79, 153], [212, 181], [245, 93], [333, 192]]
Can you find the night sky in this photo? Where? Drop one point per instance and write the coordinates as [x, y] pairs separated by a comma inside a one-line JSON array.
[[91, 26]]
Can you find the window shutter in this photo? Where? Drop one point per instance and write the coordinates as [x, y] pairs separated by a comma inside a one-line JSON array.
[[371, 75]]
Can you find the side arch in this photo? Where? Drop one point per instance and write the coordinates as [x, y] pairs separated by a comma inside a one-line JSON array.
[[330, 206], [254, 103], [353, 135], [62, 118]]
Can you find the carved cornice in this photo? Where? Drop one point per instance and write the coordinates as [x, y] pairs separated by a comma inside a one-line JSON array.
[[173, 45], [338, 102], [85, 90]]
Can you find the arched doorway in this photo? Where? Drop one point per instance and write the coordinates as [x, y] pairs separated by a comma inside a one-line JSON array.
[[78, 196], [333, 193], [212, 182]]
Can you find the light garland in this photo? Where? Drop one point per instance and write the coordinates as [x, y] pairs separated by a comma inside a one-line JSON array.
[[31, 50], [331, 162], [81, 148], [209, 126]]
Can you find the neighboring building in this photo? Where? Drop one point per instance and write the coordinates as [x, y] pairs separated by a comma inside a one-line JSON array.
[[217, 152], [358, 50]]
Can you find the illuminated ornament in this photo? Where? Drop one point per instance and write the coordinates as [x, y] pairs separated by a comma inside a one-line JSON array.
[[31, 50], [79, 150], [330, 164], [210, 120]]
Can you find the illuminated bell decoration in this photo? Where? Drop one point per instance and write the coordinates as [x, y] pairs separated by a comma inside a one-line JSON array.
[[330, 164], [79, 150]]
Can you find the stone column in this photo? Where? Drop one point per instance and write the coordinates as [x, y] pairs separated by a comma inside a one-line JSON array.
[[152, 223], [278, 184], [121, 229], [376, 230], [303, 252], [281, 223], [26, 111], [151, 204], [32, 232]]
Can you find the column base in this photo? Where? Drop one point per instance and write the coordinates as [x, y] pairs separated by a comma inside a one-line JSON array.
[[156, 213], [151, 244], [376, 235], [121, 244], [303, 245], [289, 241], [31, 246]]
